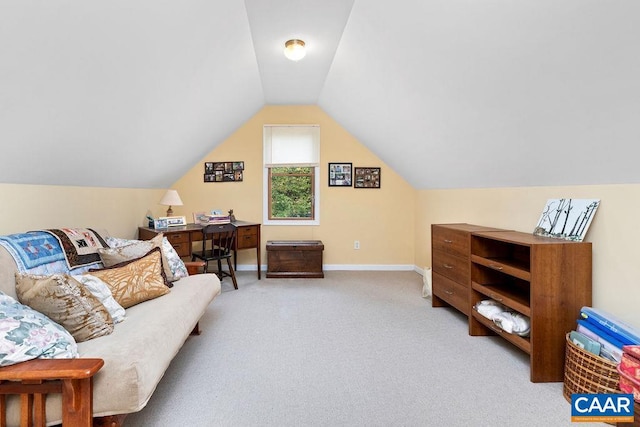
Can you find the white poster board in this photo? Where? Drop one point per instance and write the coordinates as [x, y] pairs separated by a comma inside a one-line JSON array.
[[567, 219]]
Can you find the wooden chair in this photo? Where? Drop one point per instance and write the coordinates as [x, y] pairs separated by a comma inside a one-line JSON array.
[[217, 244]]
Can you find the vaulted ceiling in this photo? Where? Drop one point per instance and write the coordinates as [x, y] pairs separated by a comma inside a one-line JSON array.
[[449, 93]]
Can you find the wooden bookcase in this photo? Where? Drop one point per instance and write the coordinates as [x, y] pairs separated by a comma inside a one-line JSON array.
[[545, 279]]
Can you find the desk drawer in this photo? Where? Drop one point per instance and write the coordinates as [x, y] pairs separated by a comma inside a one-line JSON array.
[[180, 242], [247, 237], [182, 249], [177, 237]]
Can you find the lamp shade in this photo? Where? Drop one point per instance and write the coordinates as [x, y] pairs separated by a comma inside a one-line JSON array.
[[171, 198]]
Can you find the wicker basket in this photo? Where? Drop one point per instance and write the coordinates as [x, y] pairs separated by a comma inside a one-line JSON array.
[[585, 372]]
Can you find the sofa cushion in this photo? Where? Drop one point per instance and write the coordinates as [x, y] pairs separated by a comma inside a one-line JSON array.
[[100, 290], [67, 302], [26, 334], [174, 262], [135, 281], [141, 348]]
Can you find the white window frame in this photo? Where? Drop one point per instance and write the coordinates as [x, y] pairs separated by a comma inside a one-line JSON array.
[[265, 184]]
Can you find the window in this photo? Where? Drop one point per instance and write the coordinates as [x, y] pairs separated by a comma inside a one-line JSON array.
[[291, 174], [291, 193]]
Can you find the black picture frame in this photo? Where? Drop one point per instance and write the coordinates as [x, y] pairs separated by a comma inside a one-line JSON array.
[[223, 171], [366, 177], [340, 174]]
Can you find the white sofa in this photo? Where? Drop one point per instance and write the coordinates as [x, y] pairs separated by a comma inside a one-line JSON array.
[[137, 353]]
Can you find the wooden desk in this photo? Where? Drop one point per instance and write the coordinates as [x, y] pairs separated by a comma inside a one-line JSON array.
[[183, 237]]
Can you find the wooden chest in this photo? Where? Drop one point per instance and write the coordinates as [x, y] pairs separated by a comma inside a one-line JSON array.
[[294, 258]]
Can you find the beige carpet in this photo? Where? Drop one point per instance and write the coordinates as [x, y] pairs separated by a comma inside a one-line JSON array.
[[353, 349]]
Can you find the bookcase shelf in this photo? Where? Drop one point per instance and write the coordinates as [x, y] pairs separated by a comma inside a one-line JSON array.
[[514, 298], [515, 268], [522, 342], [545, 279]]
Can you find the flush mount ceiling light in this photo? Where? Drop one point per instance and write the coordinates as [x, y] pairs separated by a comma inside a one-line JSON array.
[[294, 49]]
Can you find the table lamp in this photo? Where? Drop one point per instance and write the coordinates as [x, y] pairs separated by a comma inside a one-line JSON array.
[[171, 198]]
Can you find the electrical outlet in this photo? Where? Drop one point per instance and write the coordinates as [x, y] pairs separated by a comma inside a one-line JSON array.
[[356, 244]]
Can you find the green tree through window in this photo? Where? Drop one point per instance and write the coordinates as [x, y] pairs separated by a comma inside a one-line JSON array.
[[291, 193]]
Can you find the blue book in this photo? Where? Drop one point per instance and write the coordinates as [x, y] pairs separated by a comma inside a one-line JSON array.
[[615, 327], [602, 333]]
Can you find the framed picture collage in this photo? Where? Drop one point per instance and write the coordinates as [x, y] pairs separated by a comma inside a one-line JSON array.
[[343, 174], [223, 171]]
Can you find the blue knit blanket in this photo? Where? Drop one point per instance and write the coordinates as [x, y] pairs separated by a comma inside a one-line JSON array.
[[32, 249]]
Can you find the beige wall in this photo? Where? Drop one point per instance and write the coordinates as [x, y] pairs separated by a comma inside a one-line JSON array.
[[392, 224], [118, 210], [382, 220], [614, 231]]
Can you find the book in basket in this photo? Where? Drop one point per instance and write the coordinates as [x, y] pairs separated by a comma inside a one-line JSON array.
[[617, 328]]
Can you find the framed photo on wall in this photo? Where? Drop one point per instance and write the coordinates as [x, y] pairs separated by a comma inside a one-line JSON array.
[[223, 171], [366, 177], [340, 174]]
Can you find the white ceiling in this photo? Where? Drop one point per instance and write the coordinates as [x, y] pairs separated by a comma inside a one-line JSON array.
[[449, 93], [319, 23]]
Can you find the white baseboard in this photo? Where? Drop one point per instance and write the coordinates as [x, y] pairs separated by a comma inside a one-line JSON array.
[[418, 270], [349, 267], [366, 267]]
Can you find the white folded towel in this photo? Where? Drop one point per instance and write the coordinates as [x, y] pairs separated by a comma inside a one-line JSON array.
[[489, 308], [513, 323]]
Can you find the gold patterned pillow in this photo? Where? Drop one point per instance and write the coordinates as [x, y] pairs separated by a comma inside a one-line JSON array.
[[135, 281], [113, 256], [67, 302]]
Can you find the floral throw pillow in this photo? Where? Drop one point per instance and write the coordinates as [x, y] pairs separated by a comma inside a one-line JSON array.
[[178, 269], [100, 290], [26, 334]]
